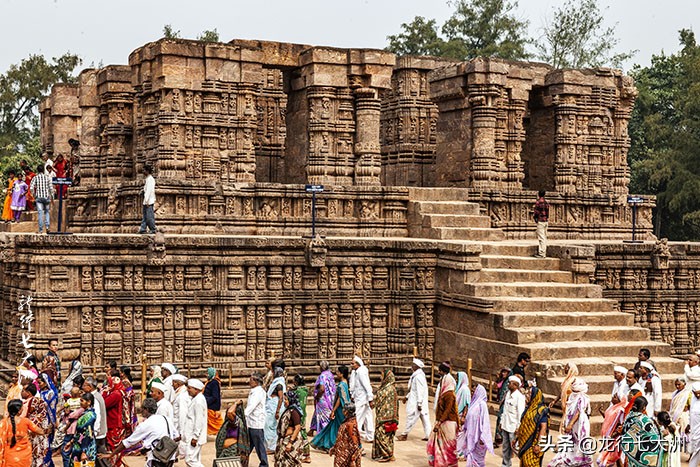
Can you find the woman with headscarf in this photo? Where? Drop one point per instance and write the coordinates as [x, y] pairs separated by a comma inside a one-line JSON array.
[[534, 425], [474, 440], [274, 407], [84, 445], [386, 403], [641, 439], [15, 444], [36, 410], [680, 405], [49, 395], [129, 418], [324, 396], [442, 444], [613, 418], [156, 377], [30, 364], [348, 446], [463, 394], [576, 423], [76, 370], [233, 440], [212, 393], [113, 395], [290, 444], [327, 437], [571, 374]]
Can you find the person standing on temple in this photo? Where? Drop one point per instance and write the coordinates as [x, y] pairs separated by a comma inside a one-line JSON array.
[[417, 402], [149, 200], [541, 216], [361, 391], [195, 432], [42, 191], [52, 363]]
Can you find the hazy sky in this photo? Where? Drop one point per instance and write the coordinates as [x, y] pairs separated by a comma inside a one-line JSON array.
[[106, 32]]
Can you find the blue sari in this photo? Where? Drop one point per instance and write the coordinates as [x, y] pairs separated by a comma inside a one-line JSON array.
[[50, 396], [270, 409], [325, 439], [84, 439]]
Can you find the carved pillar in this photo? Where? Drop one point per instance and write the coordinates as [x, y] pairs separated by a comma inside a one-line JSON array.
[[367, 149], [88, 154], [485, 166]]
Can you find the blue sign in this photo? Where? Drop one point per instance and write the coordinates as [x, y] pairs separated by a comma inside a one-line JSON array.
[[314, 188]]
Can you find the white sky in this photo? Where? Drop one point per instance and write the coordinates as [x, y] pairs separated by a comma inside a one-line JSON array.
[[106, 32]]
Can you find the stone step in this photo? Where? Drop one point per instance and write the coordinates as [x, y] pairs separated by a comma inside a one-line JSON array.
[[464, 233], [438, 194], [533, 289], [445, 207], [600, 385], [604, 365], [582, 334], [519, 262], [577, 349], [551, 304], [509, 249], [563, 318], [452, 220], [523, 275]]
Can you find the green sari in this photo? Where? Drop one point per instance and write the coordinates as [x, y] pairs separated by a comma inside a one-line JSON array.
[[641, 440], [303, 393], [386, 403], [242, 447]]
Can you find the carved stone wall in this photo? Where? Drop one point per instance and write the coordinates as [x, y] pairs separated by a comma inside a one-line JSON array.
[[60, 116]]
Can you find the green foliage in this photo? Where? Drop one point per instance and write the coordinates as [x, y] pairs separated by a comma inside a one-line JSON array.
[[476, 28], [170, 33], [577, 38], [665, 134], [209, 36]]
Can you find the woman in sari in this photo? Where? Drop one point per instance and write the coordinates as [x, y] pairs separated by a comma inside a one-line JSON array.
[[83, 444], [36, 410], [274, 407], [463, 394], [534, 424], [233, 439], [386, 403], [290, 444], [28, 176], [49, 395], [348, 447], [577, 424], [671, 452], [442, 444], [19, 198], [76, 370], [303, 396], [60, 166], [613, 418], [641, 439], [212, 393], [326, 438], [680, 405], [571, 374], [129, 418], [15, 444], [474, 440], [324, 396], [7, 214]]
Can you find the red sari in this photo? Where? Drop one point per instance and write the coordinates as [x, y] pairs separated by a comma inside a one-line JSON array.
[[60, 168], [37, 413], [30, 198]]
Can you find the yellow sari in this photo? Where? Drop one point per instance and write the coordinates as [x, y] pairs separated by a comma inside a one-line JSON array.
[[535, 414], [7, 214]]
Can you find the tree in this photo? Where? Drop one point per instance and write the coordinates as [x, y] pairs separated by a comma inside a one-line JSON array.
[[576, 38], [476, 28], [209, 36], [665, 134], [21, 89], [170, 33]]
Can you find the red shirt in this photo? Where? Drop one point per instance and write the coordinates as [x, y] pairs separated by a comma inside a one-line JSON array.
[[541, 210]]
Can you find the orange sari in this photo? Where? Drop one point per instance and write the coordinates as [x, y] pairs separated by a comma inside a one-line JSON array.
[[7, 214], [20, 455]]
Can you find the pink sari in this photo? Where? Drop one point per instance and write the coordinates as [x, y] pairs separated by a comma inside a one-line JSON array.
[[442, 445], [613, 418]]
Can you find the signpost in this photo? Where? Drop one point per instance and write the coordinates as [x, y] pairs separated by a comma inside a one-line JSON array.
[[61, 182], [313, 189], [634, 201]]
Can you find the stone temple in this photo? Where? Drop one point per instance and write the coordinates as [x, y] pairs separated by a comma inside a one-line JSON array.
[[430, 169]]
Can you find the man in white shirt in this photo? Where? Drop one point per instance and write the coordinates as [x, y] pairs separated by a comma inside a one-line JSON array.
[[149, 431], [167, 371], [194, 433], [620, 388], [417, 406], [513, 408], [90, 385], [149, 200], [694, 426], [651, 384], [632, 380], [180, 406], [255, 417], [692, 370], [165, 408], [361, 392]]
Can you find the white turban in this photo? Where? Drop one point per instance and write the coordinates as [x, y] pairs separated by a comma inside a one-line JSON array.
[[159, 386], [515, 379], [27, 374], [620, 369], [695, 387], [180, 378], [419, 363], [170, 367], [358, 360], [647, 365], [579, 385], [195, 384]]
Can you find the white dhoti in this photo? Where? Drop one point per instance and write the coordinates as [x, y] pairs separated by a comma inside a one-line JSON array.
[[181, 450], [413, 415], [193, 456], [365, 420]]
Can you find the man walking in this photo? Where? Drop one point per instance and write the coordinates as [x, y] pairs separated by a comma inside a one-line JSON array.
[[541, 215], [100, 427], [417, 402], [362, 395], [42, 191], [195, 432], [694, 426], [513, 408], [149, 200], [180, 406], [255, 417], [651, 387]]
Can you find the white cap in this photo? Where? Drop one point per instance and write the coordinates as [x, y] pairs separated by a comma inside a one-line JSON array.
[[419, 363], [195, 383], [647, 365], [358, 360], [170, 367], [179, 377], [515, 379], [27, 374], [620, 369], [159, 386], [695, 387]]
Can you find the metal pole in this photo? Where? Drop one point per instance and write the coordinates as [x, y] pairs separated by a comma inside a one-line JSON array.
[[313, 215], [143, 376], [60, 207], [469, 371], [634, 222]]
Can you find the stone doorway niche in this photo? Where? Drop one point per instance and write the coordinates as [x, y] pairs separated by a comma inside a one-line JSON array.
[[271, 133], [539, 149]]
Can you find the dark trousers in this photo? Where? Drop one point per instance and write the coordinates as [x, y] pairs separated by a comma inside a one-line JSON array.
[[102, 449], [257, 439], [149, 219]]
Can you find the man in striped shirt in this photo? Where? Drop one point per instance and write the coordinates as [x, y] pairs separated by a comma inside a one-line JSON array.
[[42, 190]]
